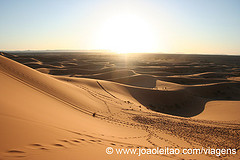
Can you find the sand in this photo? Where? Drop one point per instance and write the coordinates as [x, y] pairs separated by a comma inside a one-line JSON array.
[[78, 113]]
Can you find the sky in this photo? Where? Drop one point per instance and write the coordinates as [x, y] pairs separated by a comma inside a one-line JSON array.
[[170, 26]]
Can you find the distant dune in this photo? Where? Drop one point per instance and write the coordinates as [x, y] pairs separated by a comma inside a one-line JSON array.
[[60, 110], [111, 74]]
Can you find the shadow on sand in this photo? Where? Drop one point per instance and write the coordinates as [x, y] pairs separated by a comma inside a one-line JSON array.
[[187, 102]]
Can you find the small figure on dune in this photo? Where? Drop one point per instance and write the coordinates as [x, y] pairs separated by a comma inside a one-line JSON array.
[[94, 114]]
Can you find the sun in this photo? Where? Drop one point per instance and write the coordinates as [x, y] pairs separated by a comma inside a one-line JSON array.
[[127, 33]]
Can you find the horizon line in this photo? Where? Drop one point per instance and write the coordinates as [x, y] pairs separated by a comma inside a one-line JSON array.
[[109, 51]]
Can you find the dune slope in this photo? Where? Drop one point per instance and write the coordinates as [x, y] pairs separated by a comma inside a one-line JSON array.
[[56, 117]]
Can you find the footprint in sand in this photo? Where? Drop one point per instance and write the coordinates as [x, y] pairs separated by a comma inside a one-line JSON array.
[[16, 153], [43, 148], [81, 139], [63, 140], [92, 140], [76, 141], [38, 146], [59, 145], [68, 142]]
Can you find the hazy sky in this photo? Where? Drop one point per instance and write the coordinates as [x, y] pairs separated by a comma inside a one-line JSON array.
[[188, 26]]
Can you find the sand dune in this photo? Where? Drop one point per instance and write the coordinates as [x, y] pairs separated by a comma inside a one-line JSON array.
[[43, 70], [60, 117], [111, 75], [148, 81], [51, 121], [234, 78], [221, 111], [77, 72], [192, 81], [173, 99]]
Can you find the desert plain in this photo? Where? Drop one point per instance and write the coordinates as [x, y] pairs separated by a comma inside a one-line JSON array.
[[71, 105]]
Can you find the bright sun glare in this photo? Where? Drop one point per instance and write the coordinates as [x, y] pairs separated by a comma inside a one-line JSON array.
[[127, 33]]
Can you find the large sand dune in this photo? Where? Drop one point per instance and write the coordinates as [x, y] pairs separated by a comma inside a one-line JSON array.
[[62, 117]]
